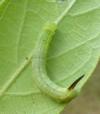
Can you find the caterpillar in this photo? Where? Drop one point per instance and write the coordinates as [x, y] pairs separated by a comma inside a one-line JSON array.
[[41, 77]]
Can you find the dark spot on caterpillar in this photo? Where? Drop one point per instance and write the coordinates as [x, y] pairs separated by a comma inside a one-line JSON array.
[[26, 58], [75, 83]]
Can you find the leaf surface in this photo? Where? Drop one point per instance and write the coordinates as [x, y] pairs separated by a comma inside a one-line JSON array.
[[74, 51]]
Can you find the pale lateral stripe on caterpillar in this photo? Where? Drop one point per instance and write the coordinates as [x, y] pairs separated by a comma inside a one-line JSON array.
[[39, 67]]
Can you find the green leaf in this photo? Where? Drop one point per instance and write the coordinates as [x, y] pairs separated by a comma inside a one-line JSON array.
[[75, 50], [2, 1]]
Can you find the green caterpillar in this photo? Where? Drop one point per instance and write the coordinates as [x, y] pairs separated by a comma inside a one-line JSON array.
[[41, 77]]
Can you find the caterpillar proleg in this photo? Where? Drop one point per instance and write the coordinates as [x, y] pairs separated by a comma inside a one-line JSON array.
[[41, 77]]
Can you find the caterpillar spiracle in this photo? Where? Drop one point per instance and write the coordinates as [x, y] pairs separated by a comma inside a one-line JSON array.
[[41, 77]]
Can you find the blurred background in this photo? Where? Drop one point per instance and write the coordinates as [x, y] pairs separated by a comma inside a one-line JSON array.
[[89, 100]]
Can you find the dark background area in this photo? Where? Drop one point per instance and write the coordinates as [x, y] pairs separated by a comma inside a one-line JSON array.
[[89, 100]]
